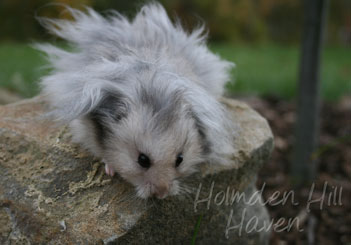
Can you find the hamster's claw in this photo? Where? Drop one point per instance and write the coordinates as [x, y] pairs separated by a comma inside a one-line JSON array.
[[109, 170]]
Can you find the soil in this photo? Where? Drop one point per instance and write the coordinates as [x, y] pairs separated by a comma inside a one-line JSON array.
[[318, 212]]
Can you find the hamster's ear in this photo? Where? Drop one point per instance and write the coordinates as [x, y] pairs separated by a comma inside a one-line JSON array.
[[72, 95], [112, 106], [111, 109]]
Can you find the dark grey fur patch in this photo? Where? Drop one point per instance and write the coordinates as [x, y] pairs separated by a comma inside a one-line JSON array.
[[164, 105], [152, 98], [111, 108]]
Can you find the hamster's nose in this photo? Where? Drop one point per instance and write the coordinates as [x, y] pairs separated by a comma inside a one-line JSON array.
[[161, 191]]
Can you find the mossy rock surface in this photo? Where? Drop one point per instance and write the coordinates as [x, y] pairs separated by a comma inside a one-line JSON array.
[[53, 192]]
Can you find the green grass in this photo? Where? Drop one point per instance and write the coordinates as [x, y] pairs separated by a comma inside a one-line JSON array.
[[260, 69], [273, 70], [196, 230], [20, 68]]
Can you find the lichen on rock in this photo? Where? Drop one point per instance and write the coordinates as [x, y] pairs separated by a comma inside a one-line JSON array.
[[53, 192]]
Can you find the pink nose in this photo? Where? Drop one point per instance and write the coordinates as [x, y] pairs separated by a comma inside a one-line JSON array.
[[161, 191]]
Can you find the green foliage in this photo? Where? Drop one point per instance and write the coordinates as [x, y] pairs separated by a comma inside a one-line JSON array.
[[249, 21], [18, 18], [260, 69]]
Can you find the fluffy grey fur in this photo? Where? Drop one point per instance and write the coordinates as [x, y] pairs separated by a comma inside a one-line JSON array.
[[140, 86]]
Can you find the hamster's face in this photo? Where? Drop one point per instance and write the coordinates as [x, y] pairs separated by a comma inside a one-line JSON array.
[[153, 151]]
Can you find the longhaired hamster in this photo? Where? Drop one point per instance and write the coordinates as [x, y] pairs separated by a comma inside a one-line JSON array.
[[140, 94]]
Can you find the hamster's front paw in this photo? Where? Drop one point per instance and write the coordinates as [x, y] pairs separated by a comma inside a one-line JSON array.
[[109, 170]]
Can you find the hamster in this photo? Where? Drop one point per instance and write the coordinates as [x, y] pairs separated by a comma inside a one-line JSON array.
[[140, 94]]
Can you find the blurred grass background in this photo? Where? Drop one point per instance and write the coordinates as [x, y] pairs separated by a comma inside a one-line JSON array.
[[261, 37]]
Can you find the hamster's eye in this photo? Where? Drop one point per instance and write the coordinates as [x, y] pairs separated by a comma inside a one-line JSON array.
[[144, 160], [179, 159]]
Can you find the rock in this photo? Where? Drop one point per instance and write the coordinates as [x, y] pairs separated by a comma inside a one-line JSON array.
[[52, 192]]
